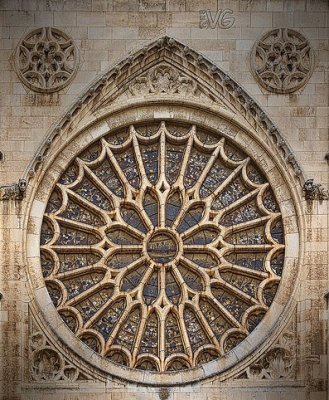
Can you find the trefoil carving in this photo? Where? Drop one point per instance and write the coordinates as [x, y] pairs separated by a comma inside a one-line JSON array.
[[279, 362]]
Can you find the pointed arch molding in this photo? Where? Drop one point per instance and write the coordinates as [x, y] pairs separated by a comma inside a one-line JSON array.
[[167, 81], [214, 86]]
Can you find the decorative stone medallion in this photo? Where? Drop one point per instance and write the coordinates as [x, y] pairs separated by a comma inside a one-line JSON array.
[[46, 59], [162, 246], [282, 60]]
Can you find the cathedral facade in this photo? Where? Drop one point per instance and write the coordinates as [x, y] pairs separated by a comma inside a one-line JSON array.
[[164, 199]]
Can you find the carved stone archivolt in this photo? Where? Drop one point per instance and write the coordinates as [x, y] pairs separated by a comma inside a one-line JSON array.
[[46, 363], [282, 60], [162, 247], [46, 59], [137, 76]]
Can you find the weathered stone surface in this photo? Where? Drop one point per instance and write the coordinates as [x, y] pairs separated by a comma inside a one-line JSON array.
[[286, 136]]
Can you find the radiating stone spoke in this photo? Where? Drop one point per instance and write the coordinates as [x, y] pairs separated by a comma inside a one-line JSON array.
[[94, 179], [188, 150], [119, 323], [78, 271], [208, 166], [164, 240], [124, 234], [97, 202], [244, 271], [69, 223], [119, 171], [83, 285], [240, 293], [255, 247]]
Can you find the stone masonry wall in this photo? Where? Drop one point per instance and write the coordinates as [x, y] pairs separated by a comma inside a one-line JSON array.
[[105, 31]]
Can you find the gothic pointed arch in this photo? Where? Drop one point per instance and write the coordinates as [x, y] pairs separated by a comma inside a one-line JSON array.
[[191, 76], [163, 222]]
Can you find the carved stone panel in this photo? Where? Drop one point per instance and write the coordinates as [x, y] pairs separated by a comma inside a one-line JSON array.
[[46, 59], [46, 363], [163, 79], [279, 362], [282, 60], [14, 191]]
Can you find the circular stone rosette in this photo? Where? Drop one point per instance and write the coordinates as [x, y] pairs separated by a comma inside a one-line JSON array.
[[162, 246], [46, 60], [282, 60]]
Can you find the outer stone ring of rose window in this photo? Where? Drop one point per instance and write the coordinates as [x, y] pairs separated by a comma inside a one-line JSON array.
[[162, 246]]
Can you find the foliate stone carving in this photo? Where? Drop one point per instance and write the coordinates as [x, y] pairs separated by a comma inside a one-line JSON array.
[[282, 60], [14, 191], [163, 79], [162, 246], [279, 362], [314, 191], [46, 364], [276, 364], [46, 59]]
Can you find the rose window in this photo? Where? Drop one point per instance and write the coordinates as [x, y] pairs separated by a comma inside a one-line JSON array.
[[162, 246]]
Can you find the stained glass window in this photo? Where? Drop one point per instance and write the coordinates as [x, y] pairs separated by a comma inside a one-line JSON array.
[[162, 247]]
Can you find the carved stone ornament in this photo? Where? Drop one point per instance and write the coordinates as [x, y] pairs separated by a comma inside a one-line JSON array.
[[282, 60], [198, 77], [276, 364], [46, 363], [46, 59], [279, 362], [314, 191], [164, 393], [14, 191], [162, 244], [163, 79]]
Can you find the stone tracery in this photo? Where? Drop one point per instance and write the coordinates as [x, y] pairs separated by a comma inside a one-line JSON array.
[[187, 298], [46, 59], [282, 60]]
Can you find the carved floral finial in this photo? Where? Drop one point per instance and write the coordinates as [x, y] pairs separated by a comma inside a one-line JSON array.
[[14, 191], [314, 191]]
